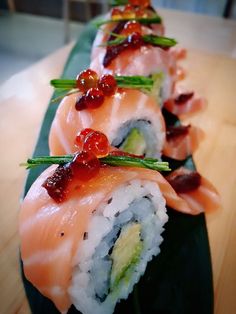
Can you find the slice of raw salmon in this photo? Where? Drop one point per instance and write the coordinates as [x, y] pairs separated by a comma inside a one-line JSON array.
[[204, 197], [181, 146]]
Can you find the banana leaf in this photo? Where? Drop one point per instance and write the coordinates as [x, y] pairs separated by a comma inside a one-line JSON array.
[[179, 279]]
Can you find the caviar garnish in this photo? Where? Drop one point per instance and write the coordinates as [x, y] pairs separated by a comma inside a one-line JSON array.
[[183, 98], [57, 184], [131, 27], [184, 183], [81, 103], [135, 40], [86, 80], [142, 3], [141, 13], [80, 138], [176, 131], [116, 14], [107, 84], [97, 143], [93, 141], [85, 165], [128, 12], [94, 98]]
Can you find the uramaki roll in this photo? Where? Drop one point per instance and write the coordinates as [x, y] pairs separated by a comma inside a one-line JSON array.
[[93, 247], [130, 119]]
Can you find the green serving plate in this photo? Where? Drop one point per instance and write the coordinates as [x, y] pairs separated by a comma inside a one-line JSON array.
[[179, 279]]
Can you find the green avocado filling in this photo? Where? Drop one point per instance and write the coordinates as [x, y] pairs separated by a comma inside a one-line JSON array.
[[134, 143], [126, 254], [157, 86]]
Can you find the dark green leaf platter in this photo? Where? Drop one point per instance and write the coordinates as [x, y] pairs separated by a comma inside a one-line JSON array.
[[179, 279]]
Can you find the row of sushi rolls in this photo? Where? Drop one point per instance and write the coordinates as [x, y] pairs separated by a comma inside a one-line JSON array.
[[92, 221]]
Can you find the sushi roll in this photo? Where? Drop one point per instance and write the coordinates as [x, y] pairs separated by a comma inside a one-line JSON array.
[[86, 240], [145, 61], [131, 119], [117, 20], [131, 46]]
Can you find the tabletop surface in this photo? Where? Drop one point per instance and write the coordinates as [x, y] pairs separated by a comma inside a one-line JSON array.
[[211, 71]]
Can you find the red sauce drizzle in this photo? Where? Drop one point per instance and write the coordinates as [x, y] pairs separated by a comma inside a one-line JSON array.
[[133, 41], [186, 182], [117, 30], [176, 131], [183, 98], [57, 184]]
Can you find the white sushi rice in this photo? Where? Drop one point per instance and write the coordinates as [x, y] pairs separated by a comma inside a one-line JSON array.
[[154, 137], [138, 201]]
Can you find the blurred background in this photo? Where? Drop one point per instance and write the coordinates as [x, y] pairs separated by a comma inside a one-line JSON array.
[[32, 29]]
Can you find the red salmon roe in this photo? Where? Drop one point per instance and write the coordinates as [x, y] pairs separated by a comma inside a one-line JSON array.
[[94, 98], [132, 27], [143, 3], [86, 80], [107, 84], [141, 13], [80, 138], [81, 103], [85, 166], [116, 14], [57, 184], [128, 12], [97, 143], [135, 40]]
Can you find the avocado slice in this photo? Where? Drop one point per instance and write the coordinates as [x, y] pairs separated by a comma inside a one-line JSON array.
[[156, 91], [126, 253], [134, 143]]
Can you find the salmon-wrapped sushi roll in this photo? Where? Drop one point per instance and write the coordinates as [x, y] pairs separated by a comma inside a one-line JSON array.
[[145, 61], [117, 19], [131, 120], [90, 246], [131, 47]]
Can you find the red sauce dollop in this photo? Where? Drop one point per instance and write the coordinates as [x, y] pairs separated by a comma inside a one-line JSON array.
[[183, 98], [176, 131], [186, 182], [57, 184]]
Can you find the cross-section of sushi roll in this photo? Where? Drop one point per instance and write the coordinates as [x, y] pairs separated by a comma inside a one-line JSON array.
[[131, 120], [92, 246]]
